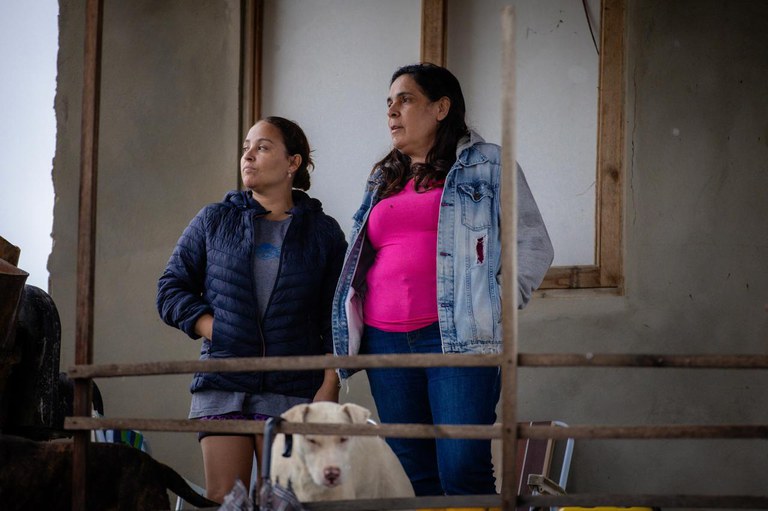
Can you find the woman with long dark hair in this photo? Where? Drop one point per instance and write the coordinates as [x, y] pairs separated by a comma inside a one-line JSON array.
[[421, 275]]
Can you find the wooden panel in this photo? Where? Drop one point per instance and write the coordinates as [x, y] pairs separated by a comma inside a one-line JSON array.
[[610, 149], [433, 31], [609, 270], [572, 277], [86, 242]]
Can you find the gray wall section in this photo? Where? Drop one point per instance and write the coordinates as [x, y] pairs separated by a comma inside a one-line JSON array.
[[696, 236], [696, 246], [169, 145]]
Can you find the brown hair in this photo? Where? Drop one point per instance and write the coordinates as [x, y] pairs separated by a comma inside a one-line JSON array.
[[435, 82], [295, 143]]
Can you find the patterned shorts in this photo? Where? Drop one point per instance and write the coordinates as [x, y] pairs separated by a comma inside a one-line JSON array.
[[232, 416]]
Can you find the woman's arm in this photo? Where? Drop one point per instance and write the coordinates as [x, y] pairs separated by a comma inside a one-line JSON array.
[[329, 390], [534, 248], [179, 290]]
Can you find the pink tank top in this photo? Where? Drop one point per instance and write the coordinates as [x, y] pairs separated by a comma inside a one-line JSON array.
[[402, 282]]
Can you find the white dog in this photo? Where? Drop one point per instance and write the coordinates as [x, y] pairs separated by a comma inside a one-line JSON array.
[[335, 467]]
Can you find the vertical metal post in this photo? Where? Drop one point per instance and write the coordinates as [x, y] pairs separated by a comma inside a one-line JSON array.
[[86, 243], [508, 262]]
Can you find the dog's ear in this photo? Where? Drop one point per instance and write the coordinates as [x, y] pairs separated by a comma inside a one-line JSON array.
[[297, 413], [357, 414]]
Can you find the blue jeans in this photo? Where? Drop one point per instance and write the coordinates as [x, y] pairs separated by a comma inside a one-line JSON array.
[[435, 395]]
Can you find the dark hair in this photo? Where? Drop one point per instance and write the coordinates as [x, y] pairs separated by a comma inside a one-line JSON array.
[[295, 143], [435, 82]]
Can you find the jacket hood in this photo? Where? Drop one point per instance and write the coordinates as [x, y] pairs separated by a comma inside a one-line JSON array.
[[243, 199], [468, 141]]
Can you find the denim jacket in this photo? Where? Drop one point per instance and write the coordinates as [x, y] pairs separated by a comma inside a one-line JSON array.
[[468, 256]]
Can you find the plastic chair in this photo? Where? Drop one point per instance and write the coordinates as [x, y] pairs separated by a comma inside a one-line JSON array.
[[543, 465]]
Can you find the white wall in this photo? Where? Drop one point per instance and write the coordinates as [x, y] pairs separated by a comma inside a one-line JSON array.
[[29, 44], [327, 65], [556, 105]]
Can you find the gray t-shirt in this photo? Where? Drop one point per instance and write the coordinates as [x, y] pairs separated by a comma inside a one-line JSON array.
[[268, 239]]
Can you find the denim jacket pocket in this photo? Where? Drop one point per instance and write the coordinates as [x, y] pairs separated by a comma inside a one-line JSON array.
[[476, 204]]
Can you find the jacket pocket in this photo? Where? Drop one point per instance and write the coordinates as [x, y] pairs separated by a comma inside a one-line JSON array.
[[476, 204]]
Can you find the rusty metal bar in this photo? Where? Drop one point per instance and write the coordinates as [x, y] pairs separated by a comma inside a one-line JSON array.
[[644, 360], [255, 427], [663, 501], [434, 360], [543, 502], [280, 364], [86, 243], [455, 502], [690, 431], [443, 502], [508, 208], [585, 432]]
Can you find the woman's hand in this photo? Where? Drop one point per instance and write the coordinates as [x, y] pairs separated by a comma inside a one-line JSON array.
[[329, 390], [204, 326]]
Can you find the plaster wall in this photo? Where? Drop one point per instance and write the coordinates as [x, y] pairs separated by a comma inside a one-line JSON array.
[[556, 74], [695, 249], [168, 145], [696, 239]]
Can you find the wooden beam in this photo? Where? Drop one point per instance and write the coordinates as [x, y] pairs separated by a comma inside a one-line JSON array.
[[251, 44], [638, 360], [251, 62], [508, 262], [610, 146], [283, 363], [608, 270], [433, 31], [644, 361], [86, 243], [523, 431]]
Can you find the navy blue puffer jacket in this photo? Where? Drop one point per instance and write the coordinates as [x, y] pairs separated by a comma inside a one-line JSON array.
[[211, 271]]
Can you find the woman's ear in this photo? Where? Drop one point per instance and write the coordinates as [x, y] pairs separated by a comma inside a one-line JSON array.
[[443, 107], [295, 162]]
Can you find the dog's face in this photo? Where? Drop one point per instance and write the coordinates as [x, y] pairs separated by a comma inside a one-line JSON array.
[[326, 457]]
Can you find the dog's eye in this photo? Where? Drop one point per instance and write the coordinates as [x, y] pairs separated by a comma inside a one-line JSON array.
[[343, 439], [312, 441]]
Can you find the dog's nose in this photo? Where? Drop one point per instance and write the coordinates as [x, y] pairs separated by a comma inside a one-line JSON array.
[[332, 475]]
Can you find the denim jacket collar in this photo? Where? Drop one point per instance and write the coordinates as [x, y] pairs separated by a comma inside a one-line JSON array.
[[469, 158]]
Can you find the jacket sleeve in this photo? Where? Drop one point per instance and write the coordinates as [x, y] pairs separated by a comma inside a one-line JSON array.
[[181, 287], [331, 278], [534, 248]]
